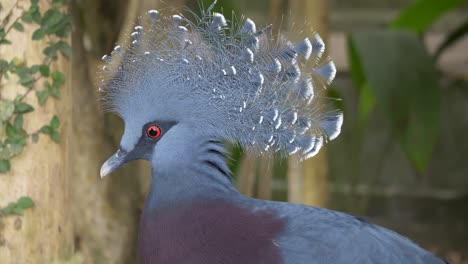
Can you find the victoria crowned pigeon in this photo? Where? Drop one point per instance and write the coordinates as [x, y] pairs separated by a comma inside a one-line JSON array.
[[184, 87]]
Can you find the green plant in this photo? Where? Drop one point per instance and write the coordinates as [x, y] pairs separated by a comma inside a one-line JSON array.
[[394, 72], [53, 25], [18, 207]]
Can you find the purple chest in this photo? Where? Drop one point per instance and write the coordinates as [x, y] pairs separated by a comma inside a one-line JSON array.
[[209, 232]]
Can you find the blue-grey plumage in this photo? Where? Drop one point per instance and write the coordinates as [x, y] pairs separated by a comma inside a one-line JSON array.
[[184, 87]]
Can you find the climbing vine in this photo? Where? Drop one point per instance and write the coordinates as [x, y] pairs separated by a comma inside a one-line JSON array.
[[18, 207], [54, 25]]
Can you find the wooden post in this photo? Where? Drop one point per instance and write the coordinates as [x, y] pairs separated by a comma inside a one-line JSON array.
[[308, 183]]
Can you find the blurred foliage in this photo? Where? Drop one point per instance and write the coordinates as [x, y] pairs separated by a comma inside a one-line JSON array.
[[394, 73], [452, 38], [419, 16], [222, 6]]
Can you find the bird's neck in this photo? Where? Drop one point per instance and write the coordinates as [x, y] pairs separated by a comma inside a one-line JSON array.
[[185, 167]]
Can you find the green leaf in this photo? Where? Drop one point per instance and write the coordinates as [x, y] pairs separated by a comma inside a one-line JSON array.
[[46, 130], [10, 130], [420, 15], [27, 81], [366, 96], [405, 89], [55, 136], [50, 51], [44, 70], [7, 109], [15, 135], [23, 108], [42, 96], [64, 48], [5, 42], [26, 17], [452, 38], [51, 18], [33, 69], [18, 210], [16, 148], [58, 78], [25, 202], [3, 66], [35, 14], [4, 166], [55, 122], [367, 103], [35, 137], [18, 122], [9, 209], [5, 153], [18, 26], [38, 34], [55, 92], [2, 33]]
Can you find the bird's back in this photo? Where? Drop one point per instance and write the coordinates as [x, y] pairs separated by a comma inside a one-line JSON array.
[[244, 230], [315, 235]]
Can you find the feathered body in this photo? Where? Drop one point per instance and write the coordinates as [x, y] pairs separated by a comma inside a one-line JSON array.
[[184, 87]]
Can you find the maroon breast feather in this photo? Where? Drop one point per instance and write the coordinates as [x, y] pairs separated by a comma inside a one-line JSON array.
[[209, 232]]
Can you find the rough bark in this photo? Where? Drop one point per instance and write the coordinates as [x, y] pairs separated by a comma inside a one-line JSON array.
[[105, 211], [308, 182], [41, 171]]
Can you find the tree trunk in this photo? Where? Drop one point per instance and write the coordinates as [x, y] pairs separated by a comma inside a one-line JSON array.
[[105, 210], [308, 182], [44, 233]]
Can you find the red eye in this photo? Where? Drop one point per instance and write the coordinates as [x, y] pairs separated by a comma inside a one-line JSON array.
[[153, 132]]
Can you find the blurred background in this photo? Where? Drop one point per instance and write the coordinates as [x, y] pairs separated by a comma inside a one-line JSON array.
[[400, 161]]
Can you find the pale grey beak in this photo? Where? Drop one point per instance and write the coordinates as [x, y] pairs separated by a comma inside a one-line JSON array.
[[113, 163]]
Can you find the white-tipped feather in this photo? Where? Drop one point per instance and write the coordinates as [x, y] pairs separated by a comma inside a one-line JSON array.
[[138, 29], [238, 82], [135, 35], [176, 19], [305, 89], [317, 146], [106, 58], [331, 125], [247, 55], [154, 15], [327, 71], [291, 117], [249, 27], [274, 67], [306, 143], [304, 48], [258, 79], [218, 21], [318, 46]]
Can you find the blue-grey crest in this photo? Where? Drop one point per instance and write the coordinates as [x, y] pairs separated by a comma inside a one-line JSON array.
[[230, 80]]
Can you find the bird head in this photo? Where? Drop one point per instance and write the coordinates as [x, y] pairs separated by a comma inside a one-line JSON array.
[[232, 82]]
